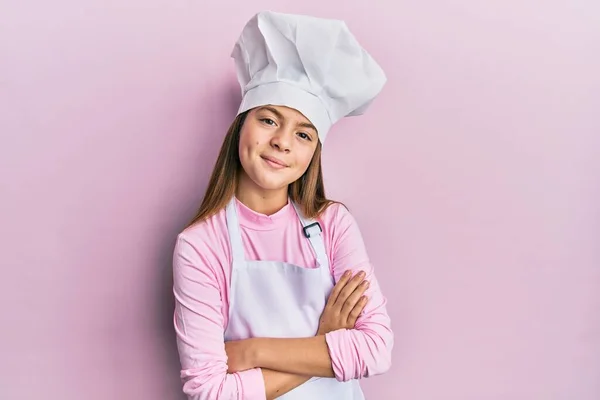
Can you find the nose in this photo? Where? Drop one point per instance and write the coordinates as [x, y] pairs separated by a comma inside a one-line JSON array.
[[282, 140]]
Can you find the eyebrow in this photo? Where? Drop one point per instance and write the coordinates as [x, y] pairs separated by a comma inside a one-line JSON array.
[[280, 116]]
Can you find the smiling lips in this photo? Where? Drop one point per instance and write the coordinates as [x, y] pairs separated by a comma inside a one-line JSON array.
[[274, 162]]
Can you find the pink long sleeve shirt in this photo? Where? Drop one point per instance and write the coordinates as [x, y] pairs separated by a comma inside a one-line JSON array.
[[202, 275]]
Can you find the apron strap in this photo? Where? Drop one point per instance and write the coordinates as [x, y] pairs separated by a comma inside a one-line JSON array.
[[313, 231], [235, 235]]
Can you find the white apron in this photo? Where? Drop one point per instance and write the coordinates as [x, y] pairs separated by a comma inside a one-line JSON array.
[[281, 300]]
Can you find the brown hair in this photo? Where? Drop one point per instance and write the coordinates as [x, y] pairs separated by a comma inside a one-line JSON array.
[[308, 192]]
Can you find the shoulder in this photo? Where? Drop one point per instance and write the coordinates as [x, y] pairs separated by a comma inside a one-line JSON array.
[[336, 215], [338, 223], [204, 237], [343, 239]]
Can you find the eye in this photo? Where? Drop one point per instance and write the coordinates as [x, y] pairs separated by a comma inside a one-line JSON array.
[[268, 121], [304, 136]]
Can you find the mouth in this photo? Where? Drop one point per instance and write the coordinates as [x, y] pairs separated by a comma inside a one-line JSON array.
[[274, 162]]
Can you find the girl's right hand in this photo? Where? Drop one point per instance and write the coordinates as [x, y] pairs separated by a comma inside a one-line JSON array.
[[345, 303]]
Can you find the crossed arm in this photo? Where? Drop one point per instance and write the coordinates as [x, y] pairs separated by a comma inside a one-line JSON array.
[[288, 363], [357, 350]]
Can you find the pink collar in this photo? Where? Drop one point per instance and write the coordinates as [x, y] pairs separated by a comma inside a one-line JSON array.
[[262, 222]]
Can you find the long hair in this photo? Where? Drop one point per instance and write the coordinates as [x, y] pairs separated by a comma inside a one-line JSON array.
[[308, 191]]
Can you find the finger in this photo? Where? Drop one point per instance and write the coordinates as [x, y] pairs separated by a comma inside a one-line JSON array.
[[356, 311], [353, 298], [349, 288], [338, 287]]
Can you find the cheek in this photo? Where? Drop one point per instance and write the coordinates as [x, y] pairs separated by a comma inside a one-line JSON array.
[[247, 145], [250, 140], [304, 160], [249, 148]]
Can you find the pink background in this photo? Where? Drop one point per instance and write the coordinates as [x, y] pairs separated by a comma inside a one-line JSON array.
[[475, 178]]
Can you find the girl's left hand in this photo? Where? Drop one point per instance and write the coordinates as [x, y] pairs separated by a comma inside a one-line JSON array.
[[240, 355], [345, 303]]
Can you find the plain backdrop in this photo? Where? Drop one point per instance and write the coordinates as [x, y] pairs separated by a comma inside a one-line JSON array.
[[475, 178]]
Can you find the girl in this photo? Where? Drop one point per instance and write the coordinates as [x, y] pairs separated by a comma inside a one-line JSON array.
[[275, 294]]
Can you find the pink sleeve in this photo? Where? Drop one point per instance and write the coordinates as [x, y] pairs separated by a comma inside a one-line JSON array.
[[199, 323], [366, 350]]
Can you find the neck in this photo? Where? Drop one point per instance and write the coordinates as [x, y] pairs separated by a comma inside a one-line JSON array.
[[261, 200]]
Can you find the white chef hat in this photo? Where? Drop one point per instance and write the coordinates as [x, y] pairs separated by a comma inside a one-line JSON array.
[[313, 65]]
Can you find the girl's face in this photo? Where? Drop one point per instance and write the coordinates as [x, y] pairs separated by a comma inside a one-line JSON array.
[[276, 146]]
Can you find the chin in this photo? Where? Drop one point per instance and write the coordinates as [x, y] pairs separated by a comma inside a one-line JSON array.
[[267, 180], [271, 184]]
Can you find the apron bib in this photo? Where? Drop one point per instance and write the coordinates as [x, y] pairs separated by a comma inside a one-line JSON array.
[[282, 300]]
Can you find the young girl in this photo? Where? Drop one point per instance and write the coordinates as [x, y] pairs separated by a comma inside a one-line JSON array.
[[275, 294]]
